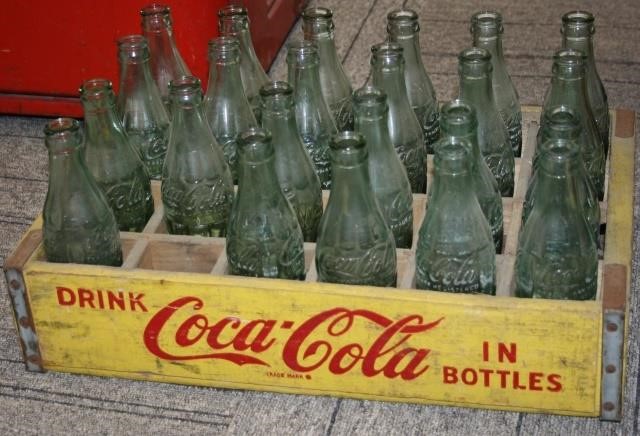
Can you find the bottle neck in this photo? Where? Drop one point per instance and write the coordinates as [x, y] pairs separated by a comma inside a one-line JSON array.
[[568, 90], [350, 184], [390, 78], [305, 79], [558, 193], [583, 44], [135, 74], [163, 45], [410, 49], [224, 80], [278, 117], [101, 120], [250, 59], [477, 90], [468, 133], [188, 122], [257, 179], [326, 50], [372, 123], [452, 189]]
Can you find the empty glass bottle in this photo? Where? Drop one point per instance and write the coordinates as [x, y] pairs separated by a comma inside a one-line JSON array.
[[77, 224], [313, 117], [458, 120], [115, 165], [233, 20], [317, 26], [557, 255], [264, 238], [144, 117], [388, 177], [387, 71], [296, 175], [561, 122], [166, 63], [455, 250], [355, 245], [568, 88], [577, 31], [487, 29], [404, 29], [225, 104], [475, 88], [197, 190]]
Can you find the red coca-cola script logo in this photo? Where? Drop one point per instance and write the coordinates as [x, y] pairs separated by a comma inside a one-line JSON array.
[[305, 349]]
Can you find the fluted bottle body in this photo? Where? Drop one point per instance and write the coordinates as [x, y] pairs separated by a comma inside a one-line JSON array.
[[388, 177], [387, 70], [557, 254], [197, 189], [403, 28], [296, 175], [313, 117], [264, 239], [77, 224], [458, 120], [233, 20], [140, 106], [355, 245], [475, 87], [317, 26], [113, 162], [487, 30], [225, 104]]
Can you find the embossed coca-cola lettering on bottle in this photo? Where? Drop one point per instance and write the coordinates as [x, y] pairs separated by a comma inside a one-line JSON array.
[[111, 159], [264, 238], [455, 250], [355, 244], [197, 189]]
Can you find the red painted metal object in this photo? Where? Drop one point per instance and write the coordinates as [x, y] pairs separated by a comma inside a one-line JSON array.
[[48, 48]]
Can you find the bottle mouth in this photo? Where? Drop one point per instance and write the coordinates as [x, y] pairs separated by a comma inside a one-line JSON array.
[[186, 89], [95, 89], [255, 145], [369, 96], [233, 11], [563, 121], [61, 125], [133, 47], [155, 9], [317, 21], [278, 89], [302, 52], [487, 24], [224, 48], [452, 156], [474, 63], [558, 156], [317, 13], [402, 22], [387, 53], [458, 114], [578, 24], [347, 141], [62, 136], [232, 19], [569, 59]]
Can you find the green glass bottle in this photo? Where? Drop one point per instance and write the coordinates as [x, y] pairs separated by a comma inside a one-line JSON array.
[[77, 224], [562, 122], [577, 31], [144, 117], [403, 28], [233, 20], [166, 62], [455, 251], [557, 255], [296, 175], [264, 238], [225, 104], [197, 189], [568, 88], [355, 245], [388, 177], [475, 88], [317, 26], [113, 162], [487, 30], [458, 120], [387, 72], [313, 117]]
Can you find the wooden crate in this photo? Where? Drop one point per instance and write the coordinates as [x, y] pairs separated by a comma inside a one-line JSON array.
[[172, 313]]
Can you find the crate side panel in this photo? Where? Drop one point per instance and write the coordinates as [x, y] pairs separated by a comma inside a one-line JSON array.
[[311, 338]]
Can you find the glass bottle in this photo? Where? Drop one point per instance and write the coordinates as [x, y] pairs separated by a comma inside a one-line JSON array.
[[577, 31], [144, 117], [389, 180], [557, 255], [115, 165], [313, 117], [487, 30], [264, 238], [233, 20], [355, 245], [568, 88], [562, 122], [166, 63], [475, 88], [387, 70], [296, 175], [225, 104], [403, 28], [77, 224], [455, 251], [197, 190], [317, 26], [458, 120]]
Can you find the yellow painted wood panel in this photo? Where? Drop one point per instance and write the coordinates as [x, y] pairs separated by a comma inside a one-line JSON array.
[[359, 342]]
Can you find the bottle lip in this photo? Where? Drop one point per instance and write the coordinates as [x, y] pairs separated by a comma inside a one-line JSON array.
[[578, 24], [474, 63], [402, 22], [569, 57], [561, 119], [452, 156], [184, 86], [233, 11], [317, 22], [224, 47], [388, 52], [156, 17], [487, 23], [369, 96], [133, 47], [347, 141], [278, 89], [458, 113], [557, 155], [303, 52], [254, 145], [155, 9], [95, 89], [317, 13], [62, 136], [62, 125]]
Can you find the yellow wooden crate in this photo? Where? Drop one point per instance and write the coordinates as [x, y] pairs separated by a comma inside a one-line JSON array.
[[172, 313]]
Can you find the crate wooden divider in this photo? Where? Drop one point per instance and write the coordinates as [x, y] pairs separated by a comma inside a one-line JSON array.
[[562, 345]]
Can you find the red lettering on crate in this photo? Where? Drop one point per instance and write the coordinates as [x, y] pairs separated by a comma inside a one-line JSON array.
[[95, 299], [505, 379]]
